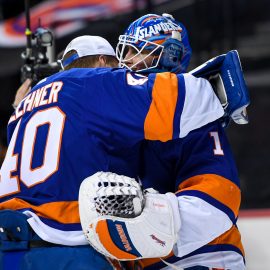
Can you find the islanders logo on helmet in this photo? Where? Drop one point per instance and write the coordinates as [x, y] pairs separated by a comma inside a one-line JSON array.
[[164, 38]]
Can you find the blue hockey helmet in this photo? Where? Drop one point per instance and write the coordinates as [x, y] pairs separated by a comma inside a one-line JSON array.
[[162, 37]]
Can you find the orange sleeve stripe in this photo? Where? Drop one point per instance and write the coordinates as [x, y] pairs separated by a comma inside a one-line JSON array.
[[158, 123], [231, 237], [105, 238], [55, 210], [216, 186]]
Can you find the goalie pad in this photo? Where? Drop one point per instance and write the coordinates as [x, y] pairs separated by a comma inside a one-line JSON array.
[[225, 74], [150, 233]]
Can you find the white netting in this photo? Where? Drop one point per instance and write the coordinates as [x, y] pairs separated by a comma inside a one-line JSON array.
[[118, 196]]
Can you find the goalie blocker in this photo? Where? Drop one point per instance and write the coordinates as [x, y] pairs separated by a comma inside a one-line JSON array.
[[226, 77], [140, 226]]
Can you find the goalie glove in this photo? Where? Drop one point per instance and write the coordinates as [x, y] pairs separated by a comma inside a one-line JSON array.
[[149, 228]]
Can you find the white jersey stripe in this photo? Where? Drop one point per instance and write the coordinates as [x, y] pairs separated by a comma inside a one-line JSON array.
[[200, 107]]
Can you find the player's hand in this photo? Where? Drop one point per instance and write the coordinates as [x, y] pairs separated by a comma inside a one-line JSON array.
[[22, 92], [151, 234]]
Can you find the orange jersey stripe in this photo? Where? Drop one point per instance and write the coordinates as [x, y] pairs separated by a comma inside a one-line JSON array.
[[147, 262], [105, 238], [217, 187], [55, 210], [160, 116], [231, 237]]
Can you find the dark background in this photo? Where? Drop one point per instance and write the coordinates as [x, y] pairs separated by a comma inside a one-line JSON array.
[[214, 26]]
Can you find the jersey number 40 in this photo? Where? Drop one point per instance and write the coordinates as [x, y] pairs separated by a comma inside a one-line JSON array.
[[54, 118]]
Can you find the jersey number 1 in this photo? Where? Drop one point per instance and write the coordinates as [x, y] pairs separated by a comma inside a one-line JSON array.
[[217, 150]]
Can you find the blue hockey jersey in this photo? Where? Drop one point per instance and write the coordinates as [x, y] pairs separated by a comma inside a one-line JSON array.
[[201, 170], [81, 121]]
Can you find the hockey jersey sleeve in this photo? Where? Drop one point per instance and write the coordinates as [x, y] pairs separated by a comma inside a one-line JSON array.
[[200, 169], [159, 107], [209, 197]]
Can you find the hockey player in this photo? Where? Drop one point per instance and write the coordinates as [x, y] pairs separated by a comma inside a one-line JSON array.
[[199, 167], [69, 126]]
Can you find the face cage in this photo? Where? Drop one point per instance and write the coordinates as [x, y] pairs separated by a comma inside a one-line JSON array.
[[126, 40]]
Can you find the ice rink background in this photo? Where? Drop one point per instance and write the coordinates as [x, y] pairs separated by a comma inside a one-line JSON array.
[[254, 227]]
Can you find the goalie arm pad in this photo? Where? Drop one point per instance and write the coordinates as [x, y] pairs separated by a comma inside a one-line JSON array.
[[152, 234], [225, 74]]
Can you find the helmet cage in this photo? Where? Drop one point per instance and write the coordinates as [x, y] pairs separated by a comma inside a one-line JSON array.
[[139, 45]]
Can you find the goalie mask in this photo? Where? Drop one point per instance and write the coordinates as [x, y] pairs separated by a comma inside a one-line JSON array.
[[154, 43]]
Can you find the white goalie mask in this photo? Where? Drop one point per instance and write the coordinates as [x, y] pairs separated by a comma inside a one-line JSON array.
[[129, 43], [154, 43]]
